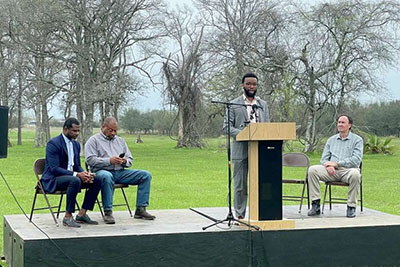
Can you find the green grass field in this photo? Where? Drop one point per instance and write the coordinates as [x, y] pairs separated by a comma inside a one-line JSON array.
[[184, 178]]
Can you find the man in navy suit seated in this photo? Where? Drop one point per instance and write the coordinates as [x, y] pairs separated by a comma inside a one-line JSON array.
[[63, 171]]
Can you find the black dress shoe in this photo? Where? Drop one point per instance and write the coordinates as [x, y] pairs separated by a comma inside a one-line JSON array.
[[351, 212], [70, 222], [315, 209]]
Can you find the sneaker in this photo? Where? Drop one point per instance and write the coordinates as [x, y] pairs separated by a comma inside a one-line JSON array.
[[70, 222], [85, 219], [108, 217], [141, 213], [351, 212], [315, 209]]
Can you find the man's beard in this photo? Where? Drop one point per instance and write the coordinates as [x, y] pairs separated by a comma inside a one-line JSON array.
[[250, 94]]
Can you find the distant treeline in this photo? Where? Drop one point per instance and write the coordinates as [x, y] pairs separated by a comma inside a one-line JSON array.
[[382, 119]]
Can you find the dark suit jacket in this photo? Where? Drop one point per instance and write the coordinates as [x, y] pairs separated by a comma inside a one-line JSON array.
[[57, 162], [238, 117]]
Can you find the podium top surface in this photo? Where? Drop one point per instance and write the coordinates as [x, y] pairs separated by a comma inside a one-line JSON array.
[[268, 131]]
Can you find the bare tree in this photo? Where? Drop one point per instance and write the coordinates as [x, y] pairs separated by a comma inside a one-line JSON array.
[[96, 35], [337, 44], [11, 84], [246, 36], [242, 35], [183, 70], [31, 32]]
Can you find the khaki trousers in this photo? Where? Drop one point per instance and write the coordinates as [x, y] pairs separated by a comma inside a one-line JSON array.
[[351, 176]]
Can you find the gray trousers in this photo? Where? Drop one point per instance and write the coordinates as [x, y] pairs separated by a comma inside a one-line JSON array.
[[351, 176], [240, 171]]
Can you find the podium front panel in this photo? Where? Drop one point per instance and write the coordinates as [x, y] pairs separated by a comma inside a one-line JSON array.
[[270, 180]]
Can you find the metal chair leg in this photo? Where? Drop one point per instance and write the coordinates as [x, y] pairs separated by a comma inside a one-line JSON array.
[[323, 204], [99, 205], [308, 196], [33, 206], [126, 201], [59, 205], [77, 205], [51, 210], [361, 196], [302, 197]]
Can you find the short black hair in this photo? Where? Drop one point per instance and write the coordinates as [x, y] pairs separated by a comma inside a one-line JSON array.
[[347, 116], [249, 75], [68, 123]]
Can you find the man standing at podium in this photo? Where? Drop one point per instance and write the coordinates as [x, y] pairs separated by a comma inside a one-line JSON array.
[[340, 161], [251, 109]]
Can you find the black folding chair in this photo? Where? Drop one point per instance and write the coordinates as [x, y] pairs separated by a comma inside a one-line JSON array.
[[116, 186], [297, 160], [337, 200], [38, 168]]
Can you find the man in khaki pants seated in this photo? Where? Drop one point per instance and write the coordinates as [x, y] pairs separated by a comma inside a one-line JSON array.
[[340, 161]]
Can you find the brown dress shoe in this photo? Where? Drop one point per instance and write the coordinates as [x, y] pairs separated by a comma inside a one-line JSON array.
[[108, 217], [85, 219], [141, 213]]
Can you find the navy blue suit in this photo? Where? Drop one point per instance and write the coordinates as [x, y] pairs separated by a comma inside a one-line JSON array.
[[57, 162], [56, 176]]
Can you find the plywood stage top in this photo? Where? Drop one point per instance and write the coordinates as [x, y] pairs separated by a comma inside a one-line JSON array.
[[186, 221]]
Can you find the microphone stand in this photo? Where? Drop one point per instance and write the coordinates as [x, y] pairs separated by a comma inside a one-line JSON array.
[[229, 218]]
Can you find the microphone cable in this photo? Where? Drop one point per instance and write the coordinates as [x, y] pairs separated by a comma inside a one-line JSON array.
[[43, 232]]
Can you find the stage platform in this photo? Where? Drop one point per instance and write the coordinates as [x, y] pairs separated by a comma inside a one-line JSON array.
[[176, 238]]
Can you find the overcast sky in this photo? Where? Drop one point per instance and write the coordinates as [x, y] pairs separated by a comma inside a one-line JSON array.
[[390, 77], [153, 100]]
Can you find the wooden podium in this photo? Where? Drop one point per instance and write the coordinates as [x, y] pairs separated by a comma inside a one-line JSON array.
[[265, 172]]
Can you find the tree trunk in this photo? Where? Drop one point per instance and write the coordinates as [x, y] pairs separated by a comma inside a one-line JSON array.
[[101, 111], [311, 120], [79, 115], [19, 108], [310, 131], [115, 110], [107, 109], [87, 125], [341, 102], [180, 126], [45, 123], [38, 129]]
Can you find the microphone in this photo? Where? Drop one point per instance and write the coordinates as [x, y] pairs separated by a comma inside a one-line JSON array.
[[255, 106]]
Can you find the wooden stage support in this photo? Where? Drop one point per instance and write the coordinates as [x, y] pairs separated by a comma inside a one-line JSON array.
[[175, 238]]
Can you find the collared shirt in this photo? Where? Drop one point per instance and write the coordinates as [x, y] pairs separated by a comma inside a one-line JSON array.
[[252, 115], [100, 148], [71, 155], [346, 152]]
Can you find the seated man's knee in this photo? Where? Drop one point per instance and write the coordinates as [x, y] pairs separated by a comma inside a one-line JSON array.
[[147, 175], [354, 176], [99, 180], [75, 182], [313, 170], [106, 176]]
